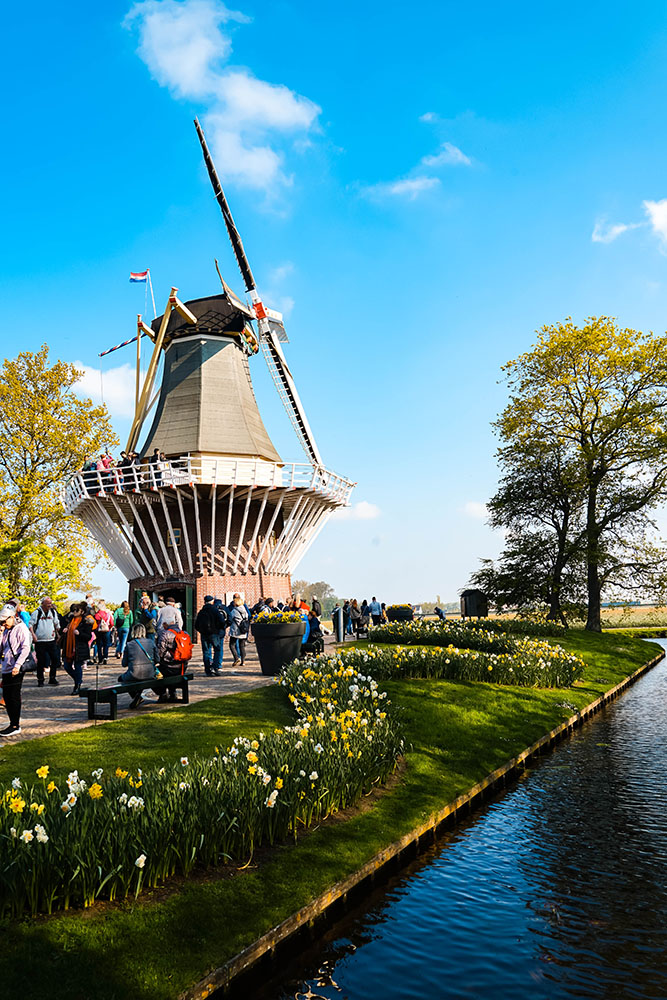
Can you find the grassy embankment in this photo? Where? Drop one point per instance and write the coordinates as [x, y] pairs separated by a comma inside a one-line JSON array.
[[167, 940]]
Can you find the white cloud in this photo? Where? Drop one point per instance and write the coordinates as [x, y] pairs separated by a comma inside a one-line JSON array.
[[429, 116], [361, 511], [604, 233], [118, 387], [449, 156], [183, 44], [408, 187], [473, 508], [657, 215]]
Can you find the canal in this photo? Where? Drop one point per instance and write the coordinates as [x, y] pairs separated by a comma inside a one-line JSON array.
[[555, 889]]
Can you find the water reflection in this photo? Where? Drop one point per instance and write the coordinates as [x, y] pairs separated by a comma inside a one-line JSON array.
[[558, 889]]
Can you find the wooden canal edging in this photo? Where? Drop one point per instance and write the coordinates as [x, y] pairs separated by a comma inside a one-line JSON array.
[[258, 962]]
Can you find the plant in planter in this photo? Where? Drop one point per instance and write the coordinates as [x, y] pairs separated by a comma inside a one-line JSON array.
[[278, 636], [400, 612]]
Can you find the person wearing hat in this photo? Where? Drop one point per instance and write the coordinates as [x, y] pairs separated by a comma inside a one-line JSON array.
[[14, 651]]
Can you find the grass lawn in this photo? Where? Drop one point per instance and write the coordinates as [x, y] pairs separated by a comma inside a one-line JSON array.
[[163, 943]]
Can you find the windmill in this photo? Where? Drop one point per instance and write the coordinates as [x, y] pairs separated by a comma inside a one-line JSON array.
[[221, 511]]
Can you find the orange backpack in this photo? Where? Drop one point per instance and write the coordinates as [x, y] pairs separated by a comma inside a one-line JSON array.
[[182, 646]]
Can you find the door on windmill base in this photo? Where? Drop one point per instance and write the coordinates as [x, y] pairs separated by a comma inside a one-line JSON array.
[[184, 595]]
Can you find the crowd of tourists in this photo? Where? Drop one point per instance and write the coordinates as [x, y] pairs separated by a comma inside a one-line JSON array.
[[214, 621], [357, 617], [150, 641], [128, 472]]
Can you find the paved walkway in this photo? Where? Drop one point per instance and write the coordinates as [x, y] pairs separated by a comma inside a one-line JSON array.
[[49, 709]]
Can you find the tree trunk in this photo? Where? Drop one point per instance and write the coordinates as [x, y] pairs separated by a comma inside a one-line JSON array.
[[593, 621]]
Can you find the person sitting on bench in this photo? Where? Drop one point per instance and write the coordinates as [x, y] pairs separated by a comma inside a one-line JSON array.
[[169, 665], [140, 656]]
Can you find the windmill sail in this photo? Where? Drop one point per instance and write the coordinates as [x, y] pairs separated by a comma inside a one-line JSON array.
[[271, 330]]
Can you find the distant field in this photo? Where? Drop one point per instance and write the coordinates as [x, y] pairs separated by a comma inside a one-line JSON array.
[[643, 616]]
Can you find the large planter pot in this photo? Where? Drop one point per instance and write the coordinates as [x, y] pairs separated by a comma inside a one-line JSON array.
[[400, 614], [277, 643]]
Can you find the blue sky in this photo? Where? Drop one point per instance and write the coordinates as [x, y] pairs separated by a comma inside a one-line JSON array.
[[418, 189]]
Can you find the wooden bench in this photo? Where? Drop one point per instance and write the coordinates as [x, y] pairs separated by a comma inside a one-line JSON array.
[[109, 695]]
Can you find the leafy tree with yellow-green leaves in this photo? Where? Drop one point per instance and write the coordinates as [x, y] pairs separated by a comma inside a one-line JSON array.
[[46, 434], [596, 395]]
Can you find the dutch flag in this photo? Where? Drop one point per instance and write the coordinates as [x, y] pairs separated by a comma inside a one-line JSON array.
[[139, 275]]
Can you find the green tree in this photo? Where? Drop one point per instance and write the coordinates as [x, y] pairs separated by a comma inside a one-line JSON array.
[[47, 432], [598, 393], [320, 589]]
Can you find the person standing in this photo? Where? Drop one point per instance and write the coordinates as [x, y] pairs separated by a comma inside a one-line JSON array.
[[222, 619], [123, 620], [239, 622], [169, 617], [104, 620], [14, 651], [375, 609], [315, 606], [206, 624], [78, 635], [45, 631], [147, 616]]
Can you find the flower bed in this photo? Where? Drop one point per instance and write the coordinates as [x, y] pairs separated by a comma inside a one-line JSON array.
[[531, 663], [489, 634], [108, 835], [436, 633]]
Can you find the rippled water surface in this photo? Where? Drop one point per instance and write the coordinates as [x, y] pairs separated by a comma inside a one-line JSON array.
[[556, 889]]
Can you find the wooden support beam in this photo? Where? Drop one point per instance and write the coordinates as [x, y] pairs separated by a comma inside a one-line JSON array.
[[144, 397]]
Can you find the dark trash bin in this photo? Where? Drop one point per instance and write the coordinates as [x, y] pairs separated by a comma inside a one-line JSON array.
[[474, 604]]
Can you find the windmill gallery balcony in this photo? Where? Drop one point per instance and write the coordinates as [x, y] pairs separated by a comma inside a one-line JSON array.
[[199, 515]]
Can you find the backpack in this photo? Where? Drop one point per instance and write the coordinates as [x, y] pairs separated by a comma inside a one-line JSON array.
[[182, 646], [242, 626]]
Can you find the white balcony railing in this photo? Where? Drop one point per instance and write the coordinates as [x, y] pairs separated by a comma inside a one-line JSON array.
[[209, 471]]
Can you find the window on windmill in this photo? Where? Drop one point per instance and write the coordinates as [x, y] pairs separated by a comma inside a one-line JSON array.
[[177, 537], [274, 539]]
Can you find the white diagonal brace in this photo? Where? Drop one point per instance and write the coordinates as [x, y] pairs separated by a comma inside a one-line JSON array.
[[243, 524], [200, 550], [308, 512], [171, 532], [258, 560], [256, 531], [283, 534], [184, 528], [132, 535], [309, 507], [147, 539], [158, 535]]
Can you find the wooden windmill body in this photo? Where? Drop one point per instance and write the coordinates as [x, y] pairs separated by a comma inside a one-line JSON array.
[[223, 513]]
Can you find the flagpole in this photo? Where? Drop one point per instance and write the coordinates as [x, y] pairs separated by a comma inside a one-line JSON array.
[[152, 296], [138, 377]]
